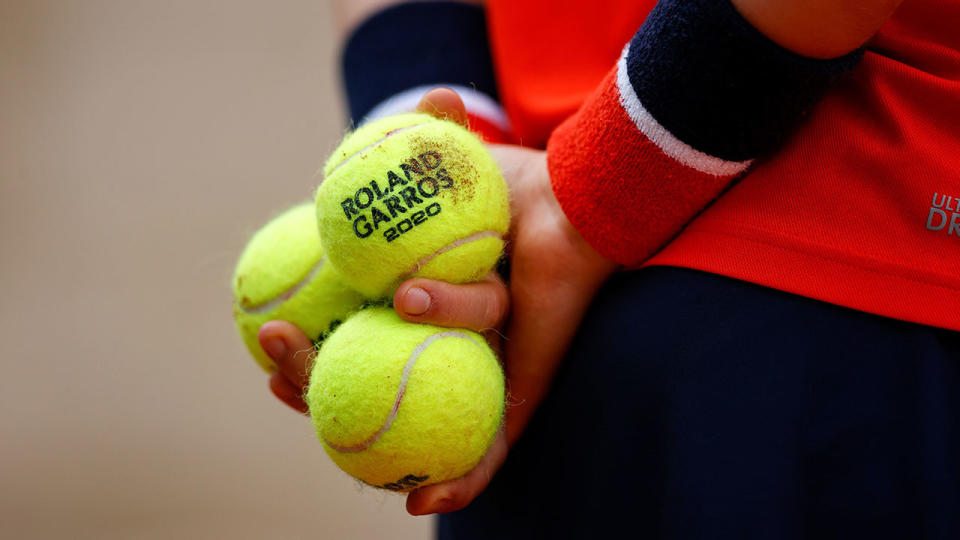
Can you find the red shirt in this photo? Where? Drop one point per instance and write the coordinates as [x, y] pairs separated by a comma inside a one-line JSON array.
[[860, 208]]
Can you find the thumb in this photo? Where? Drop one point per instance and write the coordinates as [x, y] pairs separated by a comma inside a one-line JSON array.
[[444, 103]]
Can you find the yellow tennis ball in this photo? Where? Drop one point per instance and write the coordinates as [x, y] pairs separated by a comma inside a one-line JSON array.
[[282, 274], [412, 195], [400, 405]]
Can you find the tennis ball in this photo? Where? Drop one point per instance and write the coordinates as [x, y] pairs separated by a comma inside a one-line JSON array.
[[411, 195], [282, 274], [400, 405]]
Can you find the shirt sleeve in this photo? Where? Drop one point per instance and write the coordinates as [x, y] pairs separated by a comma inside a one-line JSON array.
[[399, 53]]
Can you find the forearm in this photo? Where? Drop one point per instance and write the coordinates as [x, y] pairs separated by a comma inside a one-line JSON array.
[[817, 28]]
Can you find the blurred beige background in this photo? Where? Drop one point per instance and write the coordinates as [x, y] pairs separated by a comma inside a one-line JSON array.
[[141, 142]]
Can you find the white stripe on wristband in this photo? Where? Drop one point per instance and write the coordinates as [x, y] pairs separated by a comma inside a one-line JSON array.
[[660, 136]]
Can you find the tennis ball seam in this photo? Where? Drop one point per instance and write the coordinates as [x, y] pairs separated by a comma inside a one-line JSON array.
[[401, 390], [283, 296], [372, 145], [462, 241]]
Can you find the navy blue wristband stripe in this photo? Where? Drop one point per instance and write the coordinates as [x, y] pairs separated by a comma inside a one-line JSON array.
[[416, 44], [717, 84]]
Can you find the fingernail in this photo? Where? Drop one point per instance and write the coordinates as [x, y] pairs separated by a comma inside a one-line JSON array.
[[416, 301], [275, 348]]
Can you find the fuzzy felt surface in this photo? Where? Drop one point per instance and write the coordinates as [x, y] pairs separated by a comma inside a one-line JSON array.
[[400, 405], [283, 275], [411, 195]]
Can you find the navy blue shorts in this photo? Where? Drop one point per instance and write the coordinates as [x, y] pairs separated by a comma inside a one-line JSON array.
[[696, 406]]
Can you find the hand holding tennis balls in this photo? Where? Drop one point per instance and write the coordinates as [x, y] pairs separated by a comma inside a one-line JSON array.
[[284, 342], [395, 404], [553, 276]]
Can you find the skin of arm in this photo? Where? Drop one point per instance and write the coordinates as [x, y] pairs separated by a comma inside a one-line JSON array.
[[817, 28]]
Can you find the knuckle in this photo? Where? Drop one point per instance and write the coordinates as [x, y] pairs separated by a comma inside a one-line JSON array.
[[498, 305], [492, 310]]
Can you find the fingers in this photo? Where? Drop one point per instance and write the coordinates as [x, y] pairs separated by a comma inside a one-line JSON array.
[[457, 494], [478, 306], [287, 392], [444, 103], [292, 351]]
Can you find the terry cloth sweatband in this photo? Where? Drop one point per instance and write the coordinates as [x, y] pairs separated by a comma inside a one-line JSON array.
[[697, 95], [399, 53]]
